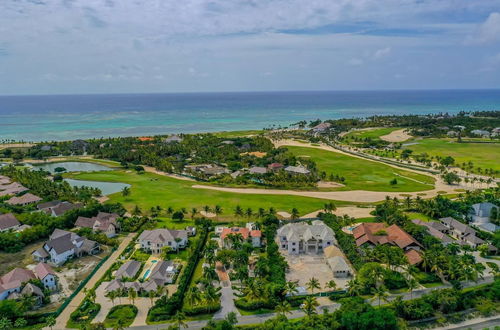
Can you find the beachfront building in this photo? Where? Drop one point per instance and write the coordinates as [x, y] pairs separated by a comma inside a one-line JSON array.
[[155, 240], [301, 237]]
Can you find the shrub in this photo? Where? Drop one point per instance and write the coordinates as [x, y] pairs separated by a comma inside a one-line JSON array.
[[124, 312], [252, 305], [201, 309]]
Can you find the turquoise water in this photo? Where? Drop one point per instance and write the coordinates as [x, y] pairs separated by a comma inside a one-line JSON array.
[[67, 117], [146, 274], [107, 188], [73, 167]]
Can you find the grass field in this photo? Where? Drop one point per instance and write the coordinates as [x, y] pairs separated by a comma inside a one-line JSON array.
[[125, 313], [233, 134], [363, 174], [150, 190], [374, 133], [484, 155]]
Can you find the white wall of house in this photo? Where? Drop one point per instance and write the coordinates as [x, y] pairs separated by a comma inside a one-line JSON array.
[[158, 247], [59, 259], [50, 282]]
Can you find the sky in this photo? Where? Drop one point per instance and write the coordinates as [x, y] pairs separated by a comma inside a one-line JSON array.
[[141, 46]]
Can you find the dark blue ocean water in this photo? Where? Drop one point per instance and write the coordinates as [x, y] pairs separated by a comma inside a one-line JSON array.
[[62, 117]]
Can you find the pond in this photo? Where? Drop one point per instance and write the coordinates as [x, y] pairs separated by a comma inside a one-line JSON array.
[[72, 167], [106, 188]]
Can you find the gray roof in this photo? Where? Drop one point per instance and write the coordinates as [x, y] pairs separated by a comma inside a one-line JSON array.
[[338, 264], [297, 169], [435, 229], [128, 269], [8, 221], [24, 199], [458, 226], [31, 289], [162, 235], [258, 170], [483, 209], [301, 230], [64, 207], [46, 205], [162, 269], [60, 244]]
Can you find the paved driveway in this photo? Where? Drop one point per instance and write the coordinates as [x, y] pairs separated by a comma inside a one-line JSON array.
[[227, 303], [73, 305]]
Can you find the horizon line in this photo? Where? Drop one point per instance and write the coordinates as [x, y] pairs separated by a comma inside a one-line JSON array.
[[258, 92]]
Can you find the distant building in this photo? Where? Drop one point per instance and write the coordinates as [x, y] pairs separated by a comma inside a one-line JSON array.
[[480, 132], [461, 232], [297, 170], [274, 167], [321, 128], [481, 216], [173, 139], [257, 170], [436, 229]]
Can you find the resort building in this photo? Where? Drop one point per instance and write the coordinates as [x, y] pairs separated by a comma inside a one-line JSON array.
[[155, 240], [8, 222], [301, 237]]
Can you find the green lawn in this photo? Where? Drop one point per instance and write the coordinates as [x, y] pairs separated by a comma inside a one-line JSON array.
[[364, 174], [420, 216], [151, 190], [125, 313], [374, 133], [233, 134], [484, 155]]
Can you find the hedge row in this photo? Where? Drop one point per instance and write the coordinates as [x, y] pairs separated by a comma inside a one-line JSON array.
[[166, 307], [202, 309]]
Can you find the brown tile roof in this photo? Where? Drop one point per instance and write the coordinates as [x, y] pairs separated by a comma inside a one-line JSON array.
[[366, 233], [17, 274], [42, 270], [413, 257]]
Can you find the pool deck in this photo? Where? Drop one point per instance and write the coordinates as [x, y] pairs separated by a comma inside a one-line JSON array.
[[148, 266]]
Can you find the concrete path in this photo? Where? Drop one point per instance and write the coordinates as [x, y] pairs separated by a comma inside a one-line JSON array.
[[63, 318], [227, 302]]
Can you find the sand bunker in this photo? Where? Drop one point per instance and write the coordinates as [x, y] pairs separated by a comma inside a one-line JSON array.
[[396, 136]]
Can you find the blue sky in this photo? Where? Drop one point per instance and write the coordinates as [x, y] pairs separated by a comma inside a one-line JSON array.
[[122, 46]]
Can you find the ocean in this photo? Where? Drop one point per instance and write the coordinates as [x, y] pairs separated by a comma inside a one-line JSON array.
[[67, 117]]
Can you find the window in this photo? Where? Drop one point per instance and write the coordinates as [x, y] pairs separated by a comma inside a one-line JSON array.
[[293, 249], [293, 243]]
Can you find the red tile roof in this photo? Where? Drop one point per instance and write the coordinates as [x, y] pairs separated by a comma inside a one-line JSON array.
[[413, 257], [366, 233], [42, 270]]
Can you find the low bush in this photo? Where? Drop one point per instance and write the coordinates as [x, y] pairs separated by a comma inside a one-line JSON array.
[[125, 313], [201, 309], [252, 305]]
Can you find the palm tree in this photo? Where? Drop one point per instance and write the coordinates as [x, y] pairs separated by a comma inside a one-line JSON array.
[[295, 213], [412, 285], [5, 324], [354, 287], [212, 295], [50, 321], [152, 295], [309, 305], [132, 294], [112, 296], [217, 210], [331, 285], [170, 210], [193, 212], [291, 288], [210, 274], [120, 324], [249, 212], [136, 211], [125, 191], [238, 211], [261, 212], [313, 284], [283, 308], [207, 209], [380, 293], [20, 323], [179, 319], [194, 296]]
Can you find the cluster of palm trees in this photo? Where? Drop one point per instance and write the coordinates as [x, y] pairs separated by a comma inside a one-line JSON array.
[[131, 294], [207, 296]]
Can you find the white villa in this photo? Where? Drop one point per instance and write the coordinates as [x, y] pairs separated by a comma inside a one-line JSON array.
[[481, 214], [304, 238], [156, 240]]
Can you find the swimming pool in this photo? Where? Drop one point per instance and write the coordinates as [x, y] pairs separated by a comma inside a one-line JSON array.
[[146, 274]]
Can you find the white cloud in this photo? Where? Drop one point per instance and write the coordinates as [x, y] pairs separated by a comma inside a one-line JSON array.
[[355, 61], [488, 32], [383, 52]]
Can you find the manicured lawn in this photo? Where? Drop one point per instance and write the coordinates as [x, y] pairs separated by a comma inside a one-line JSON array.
[[368, 219], [364, 174], [150, 190], [125, 313], [374, 133], [420, 216], [484, 155]]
